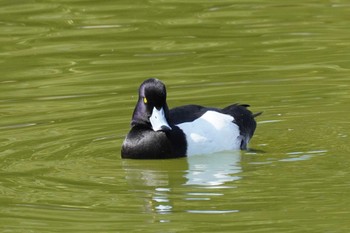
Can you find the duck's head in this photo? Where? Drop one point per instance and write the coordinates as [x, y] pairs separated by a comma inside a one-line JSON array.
[[151, 109]]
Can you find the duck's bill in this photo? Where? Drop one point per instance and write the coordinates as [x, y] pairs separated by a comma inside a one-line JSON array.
[[158, 120]]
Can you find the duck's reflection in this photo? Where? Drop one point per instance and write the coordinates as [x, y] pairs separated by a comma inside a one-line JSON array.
[[166, 184], [213, 170]]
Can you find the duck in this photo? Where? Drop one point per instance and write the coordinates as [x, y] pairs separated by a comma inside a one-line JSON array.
[[158, 132]]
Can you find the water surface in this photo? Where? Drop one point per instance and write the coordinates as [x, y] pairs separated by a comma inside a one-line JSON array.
[[69, 77]]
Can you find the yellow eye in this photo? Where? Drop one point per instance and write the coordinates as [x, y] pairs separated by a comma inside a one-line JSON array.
[[145, 100]]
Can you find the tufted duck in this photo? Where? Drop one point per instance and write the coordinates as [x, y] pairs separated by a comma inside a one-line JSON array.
[[159, 133]]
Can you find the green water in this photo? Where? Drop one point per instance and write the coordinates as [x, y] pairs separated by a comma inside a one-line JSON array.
[[68, 85]]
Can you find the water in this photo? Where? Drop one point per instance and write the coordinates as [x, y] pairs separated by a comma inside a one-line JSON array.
[[69, 77]]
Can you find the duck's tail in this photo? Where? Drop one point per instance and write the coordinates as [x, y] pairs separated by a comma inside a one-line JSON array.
[[257, 114]]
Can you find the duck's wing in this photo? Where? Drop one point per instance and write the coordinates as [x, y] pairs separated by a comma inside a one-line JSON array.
[[186, 113]]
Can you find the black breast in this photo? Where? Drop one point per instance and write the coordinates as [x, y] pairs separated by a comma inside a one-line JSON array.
[[141, 143]]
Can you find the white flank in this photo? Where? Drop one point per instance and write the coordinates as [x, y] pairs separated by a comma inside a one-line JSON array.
[[210, 133]]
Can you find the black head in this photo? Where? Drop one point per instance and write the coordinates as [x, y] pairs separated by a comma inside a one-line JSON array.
[[151, 109], [153, 93]]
